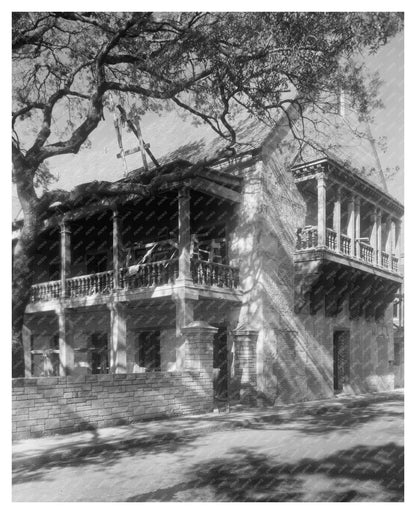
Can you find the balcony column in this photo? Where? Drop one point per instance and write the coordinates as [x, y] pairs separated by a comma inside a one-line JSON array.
[[118, 341], [351, 223], [373, 236], [379, 239], [392, 245], [321, 185], [387, 248], [184, 239], [397, 243], [357, 226], [116, 254], [65, 256], [27, 347], [66, 350], [337, 217]]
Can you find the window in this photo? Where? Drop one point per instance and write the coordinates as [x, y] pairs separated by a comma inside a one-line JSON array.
[[148, 350], [99, 354]]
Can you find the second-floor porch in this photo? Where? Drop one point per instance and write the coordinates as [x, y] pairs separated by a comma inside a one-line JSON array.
[[146, 249]]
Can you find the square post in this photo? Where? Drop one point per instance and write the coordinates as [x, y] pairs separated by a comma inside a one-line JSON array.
[[116, 254], [379, 240], [184, 238], [337, 217], [66, 351], [65, 256], [245, 344], [357, 226], [118, 338], [351, 223], [27, 347], [321, 185]]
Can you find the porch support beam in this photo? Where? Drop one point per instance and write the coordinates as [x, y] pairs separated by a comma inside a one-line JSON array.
[[116, 251], [357, 226], [184, 239], [118, 338], [65, 255], [66, 350], [26, 340], [379, 239], [337, 217], [373, 235], [321, 185]]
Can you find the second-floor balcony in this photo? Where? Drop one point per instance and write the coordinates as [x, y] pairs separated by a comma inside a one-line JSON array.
[[307, 239], [140, 277]]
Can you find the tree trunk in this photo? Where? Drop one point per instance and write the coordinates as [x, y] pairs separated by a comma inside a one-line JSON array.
[[23, 261]]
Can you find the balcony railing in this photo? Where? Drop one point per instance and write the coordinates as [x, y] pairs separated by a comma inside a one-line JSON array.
[[366, 251], [89, 285], [45, 291], [214, 274], [331, 239], [141, 276], [307, 239], [345, 244], [149, 275], [385, 259]]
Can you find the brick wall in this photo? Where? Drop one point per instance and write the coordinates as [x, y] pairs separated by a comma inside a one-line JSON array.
[[45, 406]]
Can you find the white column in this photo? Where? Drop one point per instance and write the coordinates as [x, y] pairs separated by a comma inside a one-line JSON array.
[[351, 223], [379, 239], [397, 248], [26, 339], [116, 255], [321, 185], [184, 239], [65, 256], [337, 218], [118, 342], [357, 225], [66, 351], [392, 246], [373, 236]]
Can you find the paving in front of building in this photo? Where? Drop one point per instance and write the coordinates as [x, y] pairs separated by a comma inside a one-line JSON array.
[[343, 449]]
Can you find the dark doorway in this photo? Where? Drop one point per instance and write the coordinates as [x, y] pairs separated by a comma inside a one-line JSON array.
[[149, 350], [99, 354], [341, 359], [220, 364]]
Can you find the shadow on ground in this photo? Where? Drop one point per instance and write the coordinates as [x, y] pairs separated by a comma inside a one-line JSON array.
[[362, 473], [97, 452]]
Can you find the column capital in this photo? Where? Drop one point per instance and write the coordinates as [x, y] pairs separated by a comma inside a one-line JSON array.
[[357, 199], [184, 192], [65, 227], [245, 330], [198, 328], [321, 178]]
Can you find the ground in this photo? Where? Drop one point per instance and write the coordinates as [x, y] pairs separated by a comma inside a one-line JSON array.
[[348, 450]]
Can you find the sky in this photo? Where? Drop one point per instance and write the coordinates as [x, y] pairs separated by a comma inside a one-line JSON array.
[[168, 133]]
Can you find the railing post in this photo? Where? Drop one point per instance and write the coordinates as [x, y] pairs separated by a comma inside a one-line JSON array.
[[351, 224], [337, 218], [184, 239], [65, 256], [116, 255], [357, 226], [321, 185]]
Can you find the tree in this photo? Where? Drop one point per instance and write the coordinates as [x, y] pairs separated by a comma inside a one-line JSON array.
[[65, 65]]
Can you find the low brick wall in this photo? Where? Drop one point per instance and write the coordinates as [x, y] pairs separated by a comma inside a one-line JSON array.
[[45, 406]]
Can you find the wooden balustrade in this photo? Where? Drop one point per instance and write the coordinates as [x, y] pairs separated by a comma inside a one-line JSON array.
[[307, 238], [345, 244], [151, 274], [45, 291], [88, 285], [385, 258], [366, 252], [214, 274], [331, 239]]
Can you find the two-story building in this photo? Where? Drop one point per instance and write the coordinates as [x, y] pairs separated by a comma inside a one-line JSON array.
[[274, 276]]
